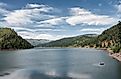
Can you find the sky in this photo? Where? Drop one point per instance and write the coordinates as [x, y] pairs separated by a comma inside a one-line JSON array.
[[56, 19]]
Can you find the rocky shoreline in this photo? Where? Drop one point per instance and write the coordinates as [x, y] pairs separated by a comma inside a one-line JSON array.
[[116, 56]]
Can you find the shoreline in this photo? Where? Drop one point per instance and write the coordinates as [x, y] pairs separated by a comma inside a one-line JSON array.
[[113, 55], [116, 56]]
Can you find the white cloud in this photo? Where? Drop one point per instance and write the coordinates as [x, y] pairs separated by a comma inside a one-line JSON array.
[[3, 9], [54, 21], [18, 18], [80, 16], [92, 30], [78, 11], [29, 35], [118, 7], [41, 22], [28, 16], [43, 8], [3, 5], [34, 6], [47, 36], [33, 14]]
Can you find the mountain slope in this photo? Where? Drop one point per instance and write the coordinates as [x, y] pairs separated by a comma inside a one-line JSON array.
[[78, 41], [112, 35], [10, 40], [110, 38]]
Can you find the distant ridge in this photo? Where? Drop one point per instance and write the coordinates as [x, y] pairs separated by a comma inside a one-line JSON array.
[[77, 41], [35, 42], [110, 38]]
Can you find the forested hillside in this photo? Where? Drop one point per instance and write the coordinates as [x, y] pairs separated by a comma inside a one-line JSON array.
[[78, 41], [110, 38], [10, 40]]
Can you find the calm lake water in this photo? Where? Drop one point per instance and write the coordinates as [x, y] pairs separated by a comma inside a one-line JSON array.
[[58, 63]]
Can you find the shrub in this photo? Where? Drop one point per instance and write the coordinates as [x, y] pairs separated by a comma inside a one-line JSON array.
[[116, 48]]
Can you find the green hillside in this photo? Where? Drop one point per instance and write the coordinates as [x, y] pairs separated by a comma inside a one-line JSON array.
[[78, 41], [110, 38], [10, 40]]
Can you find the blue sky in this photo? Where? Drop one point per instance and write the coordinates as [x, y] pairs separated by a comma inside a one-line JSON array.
[[55, 19]]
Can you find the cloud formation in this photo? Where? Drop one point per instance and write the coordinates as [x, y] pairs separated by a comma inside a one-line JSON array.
[[3, 9], [118, 7], [80, 16], [40, 21], [28, 15]]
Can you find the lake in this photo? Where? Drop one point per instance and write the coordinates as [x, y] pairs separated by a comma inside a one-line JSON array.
[[58, 63]]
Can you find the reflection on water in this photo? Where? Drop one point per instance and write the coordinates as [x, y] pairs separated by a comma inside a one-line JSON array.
[[79, 76], [58, 63], [31, 74], [35, 74]]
